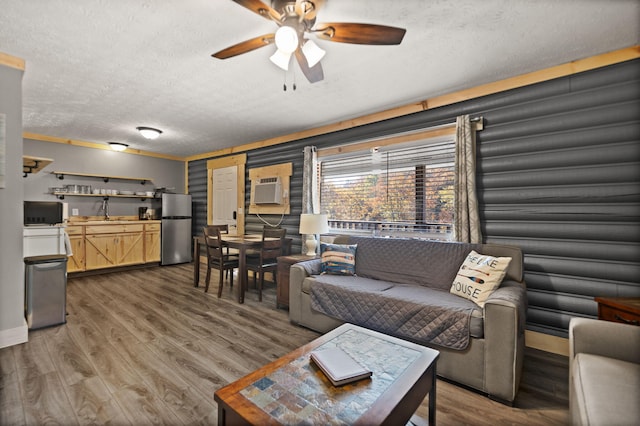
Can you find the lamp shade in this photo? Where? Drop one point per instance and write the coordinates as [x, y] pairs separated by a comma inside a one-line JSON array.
[[281, 59], [286, 39], [314, 223], [312, 52]]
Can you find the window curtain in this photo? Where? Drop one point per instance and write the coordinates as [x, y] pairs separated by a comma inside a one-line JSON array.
[[466, 220], [310, 199]]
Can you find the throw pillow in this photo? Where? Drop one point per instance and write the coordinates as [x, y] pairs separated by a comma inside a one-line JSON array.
[[338, 259], [479, 276]]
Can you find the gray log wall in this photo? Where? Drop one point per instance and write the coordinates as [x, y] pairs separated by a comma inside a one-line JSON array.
[[558, 176]]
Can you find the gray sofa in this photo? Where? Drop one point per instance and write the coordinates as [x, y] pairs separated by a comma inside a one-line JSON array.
[[604, 372], [394, 273]]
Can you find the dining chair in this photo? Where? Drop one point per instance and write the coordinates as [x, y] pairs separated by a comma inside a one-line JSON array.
[[267, 232], [216, 256], [267, 259], [224, 229]]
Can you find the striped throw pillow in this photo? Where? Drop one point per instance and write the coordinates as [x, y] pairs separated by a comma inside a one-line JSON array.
[[338, 259]]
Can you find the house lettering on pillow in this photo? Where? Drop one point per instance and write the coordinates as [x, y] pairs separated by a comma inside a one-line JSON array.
[[479, 276]]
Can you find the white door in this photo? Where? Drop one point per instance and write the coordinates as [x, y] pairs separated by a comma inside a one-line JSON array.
[[225, 197]]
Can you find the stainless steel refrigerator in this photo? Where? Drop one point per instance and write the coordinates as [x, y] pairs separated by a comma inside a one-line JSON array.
[[176, 229]]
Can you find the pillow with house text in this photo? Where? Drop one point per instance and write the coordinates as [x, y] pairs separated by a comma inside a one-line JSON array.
[[479, 276]]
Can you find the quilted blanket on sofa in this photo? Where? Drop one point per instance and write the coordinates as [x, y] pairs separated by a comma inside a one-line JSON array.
[[417, 313]]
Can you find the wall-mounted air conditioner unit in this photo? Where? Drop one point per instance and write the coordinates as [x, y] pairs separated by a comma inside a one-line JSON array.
[[267, 191]]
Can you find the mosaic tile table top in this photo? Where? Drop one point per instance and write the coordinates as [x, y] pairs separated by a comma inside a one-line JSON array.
[[299, 393]]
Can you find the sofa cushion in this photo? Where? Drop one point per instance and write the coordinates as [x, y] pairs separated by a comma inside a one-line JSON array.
[[479, 276], [431, 264], [413, 312], [607, 390], [338, 259]]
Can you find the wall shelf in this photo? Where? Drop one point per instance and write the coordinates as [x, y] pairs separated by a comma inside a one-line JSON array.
[[105, 178], [34, 164], [61, 196]]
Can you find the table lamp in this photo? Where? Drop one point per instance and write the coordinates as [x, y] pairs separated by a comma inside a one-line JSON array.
[[312, 224]]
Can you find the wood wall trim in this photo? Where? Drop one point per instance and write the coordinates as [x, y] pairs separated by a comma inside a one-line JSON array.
[[12, 61], [45, 138], [551, 73], [221, 163], [386, 141], [284, 172], [240, 161], [546, 342]]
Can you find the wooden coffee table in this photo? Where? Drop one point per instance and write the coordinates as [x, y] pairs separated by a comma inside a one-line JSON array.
[[292, 390]]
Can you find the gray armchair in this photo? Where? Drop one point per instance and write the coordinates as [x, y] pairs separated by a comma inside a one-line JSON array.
[[604, 372]]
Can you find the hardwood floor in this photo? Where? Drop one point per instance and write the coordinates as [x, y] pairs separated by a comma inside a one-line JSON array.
[[146, 347]]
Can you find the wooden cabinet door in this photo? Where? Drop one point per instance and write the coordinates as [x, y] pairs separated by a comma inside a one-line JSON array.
[[101, 251], [76, 262], [152, 246], [130, 249]]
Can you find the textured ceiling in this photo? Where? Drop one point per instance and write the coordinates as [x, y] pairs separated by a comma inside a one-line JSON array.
[[96, 69]]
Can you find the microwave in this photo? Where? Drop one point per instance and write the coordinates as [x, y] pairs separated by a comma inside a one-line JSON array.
[[42, 212]]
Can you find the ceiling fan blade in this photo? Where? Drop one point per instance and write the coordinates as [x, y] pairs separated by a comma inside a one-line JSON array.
[[260, 8], [245, 46], [308, 9], [314, 73], [360, 33]]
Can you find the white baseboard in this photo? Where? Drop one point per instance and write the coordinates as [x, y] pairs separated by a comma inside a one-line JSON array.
[[14, 336]]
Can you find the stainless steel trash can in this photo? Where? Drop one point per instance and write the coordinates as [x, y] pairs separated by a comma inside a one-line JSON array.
[[45, 290]]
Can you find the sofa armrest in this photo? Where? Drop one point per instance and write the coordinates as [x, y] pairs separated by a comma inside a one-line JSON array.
[[604, 338], [298, 273], [504, 324], [511, 294]]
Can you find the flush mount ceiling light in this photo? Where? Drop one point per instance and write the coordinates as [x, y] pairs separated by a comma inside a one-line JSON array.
[[297, 18], [118, 146], [149, 132]]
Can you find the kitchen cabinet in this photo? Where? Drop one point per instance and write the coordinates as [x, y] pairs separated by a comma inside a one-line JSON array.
[[152, 242], [76, 262], [108, 246]]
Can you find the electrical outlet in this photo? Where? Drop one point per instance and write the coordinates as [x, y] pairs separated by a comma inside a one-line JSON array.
[[75, 212]]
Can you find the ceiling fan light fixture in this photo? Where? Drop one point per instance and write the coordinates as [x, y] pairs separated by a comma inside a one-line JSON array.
[[312, 52], [118, 146], [149, 132], [287, 39], [281, 59]]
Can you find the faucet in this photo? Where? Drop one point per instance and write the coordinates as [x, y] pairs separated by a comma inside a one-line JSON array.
[[105, 208]]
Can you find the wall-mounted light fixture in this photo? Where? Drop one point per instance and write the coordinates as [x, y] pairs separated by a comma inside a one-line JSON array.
[[118, 146], [149, 132]]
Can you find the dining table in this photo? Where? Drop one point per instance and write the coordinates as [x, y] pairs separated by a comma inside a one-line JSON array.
[[242, 243]]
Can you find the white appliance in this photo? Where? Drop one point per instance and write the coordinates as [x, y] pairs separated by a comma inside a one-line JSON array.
[[43, 240], [267, 191]]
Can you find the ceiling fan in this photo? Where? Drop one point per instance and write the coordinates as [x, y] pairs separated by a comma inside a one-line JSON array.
[[297, 18]]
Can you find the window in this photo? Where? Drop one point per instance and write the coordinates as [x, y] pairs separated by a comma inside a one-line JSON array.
[[398, 190]]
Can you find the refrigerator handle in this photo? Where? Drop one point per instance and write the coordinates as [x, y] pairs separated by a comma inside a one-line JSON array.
[[234, 215]]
